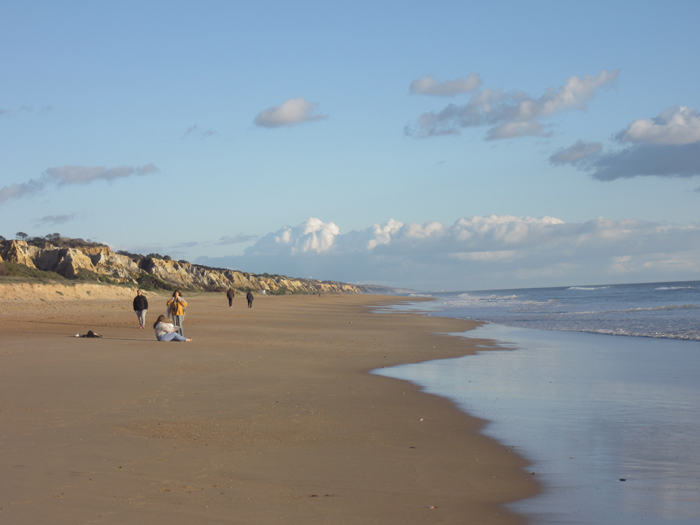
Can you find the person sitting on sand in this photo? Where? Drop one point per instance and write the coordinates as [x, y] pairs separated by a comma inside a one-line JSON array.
[[176, 309], [167, 331]]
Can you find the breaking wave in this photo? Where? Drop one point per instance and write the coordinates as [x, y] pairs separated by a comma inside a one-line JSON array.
[[666, 307], [669, 310]]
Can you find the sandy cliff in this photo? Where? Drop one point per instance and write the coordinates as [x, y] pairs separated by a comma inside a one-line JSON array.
[[100, 263]]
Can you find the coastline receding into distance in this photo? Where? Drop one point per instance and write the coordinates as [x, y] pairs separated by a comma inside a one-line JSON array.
[[594, 384], [330, 150]]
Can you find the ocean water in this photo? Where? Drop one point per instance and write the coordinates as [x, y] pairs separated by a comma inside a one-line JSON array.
[[594, 385], [669, 310]]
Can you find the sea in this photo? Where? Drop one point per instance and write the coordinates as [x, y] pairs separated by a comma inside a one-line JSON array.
[[597, 386]]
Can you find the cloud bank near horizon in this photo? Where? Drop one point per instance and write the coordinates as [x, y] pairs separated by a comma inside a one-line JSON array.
[[66, 175], [477, 253]]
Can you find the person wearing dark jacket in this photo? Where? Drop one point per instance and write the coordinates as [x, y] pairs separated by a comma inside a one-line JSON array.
[[140, 307], [230, 294], [250, 298]]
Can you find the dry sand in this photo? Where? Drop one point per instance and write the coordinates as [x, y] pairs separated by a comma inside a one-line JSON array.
[[20, 291], [268, 416]]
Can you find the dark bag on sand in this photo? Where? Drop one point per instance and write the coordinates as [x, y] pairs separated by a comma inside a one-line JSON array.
[[92, 334]]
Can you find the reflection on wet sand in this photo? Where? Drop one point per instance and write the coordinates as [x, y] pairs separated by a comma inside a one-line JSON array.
[[590, 411]]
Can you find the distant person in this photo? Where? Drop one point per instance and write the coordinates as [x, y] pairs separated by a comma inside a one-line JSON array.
[[140, 307], [176, 309], [167, 331], [250, 298], [230, 294]]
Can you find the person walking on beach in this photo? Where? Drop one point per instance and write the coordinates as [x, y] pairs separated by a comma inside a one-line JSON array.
[[250, 298], [140, 307], [230, 294], [176, 309], [166, 331]]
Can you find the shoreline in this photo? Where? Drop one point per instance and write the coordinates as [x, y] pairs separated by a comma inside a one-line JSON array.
[[602, 419], [269, 416]]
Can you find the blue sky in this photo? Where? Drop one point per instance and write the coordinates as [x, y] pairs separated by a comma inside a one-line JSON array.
[[447, 145]]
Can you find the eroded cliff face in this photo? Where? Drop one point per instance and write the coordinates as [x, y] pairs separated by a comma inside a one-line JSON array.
[[101, 261]]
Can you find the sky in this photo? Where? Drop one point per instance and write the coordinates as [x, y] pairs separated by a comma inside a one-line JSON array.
[[431, 146]]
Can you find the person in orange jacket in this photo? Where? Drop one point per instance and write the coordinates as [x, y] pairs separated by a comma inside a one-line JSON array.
[[176, 309]]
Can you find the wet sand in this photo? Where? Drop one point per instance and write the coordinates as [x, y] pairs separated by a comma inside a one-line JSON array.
[[590, 411], [268, 416]]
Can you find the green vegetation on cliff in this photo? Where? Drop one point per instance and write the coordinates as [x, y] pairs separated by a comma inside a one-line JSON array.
[[151, 282], [14, 271]]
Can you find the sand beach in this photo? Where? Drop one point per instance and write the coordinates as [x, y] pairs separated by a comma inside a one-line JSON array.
[[268, 416]]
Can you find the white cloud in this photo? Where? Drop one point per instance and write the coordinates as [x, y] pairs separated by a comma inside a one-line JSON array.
[[579, 151], [511, 114], [382, 233], [194, 130], [311, 236], [511, 130], [621, 264], [487, 256], [575, 93], [23, 189], [674, 127], [86, 174], [293, 111], [475, 252], [236, 239], [56, 219], [665, 146], [427, 85], [65, 175]]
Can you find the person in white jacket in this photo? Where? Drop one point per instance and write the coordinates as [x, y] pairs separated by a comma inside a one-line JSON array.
[[167, 331]]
